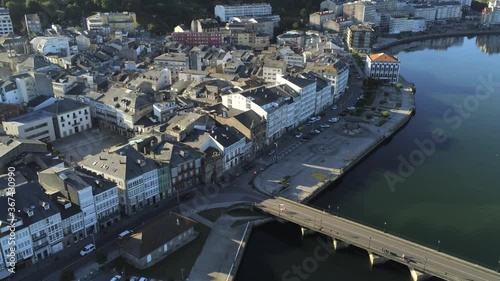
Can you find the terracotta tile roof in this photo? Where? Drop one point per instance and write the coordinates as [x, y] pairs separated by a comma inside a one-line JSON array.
[[382, 57]]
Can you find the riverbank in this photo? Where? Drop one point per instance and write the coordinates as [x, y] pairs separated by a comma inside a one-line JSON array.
[[328, 156], [384, 46]]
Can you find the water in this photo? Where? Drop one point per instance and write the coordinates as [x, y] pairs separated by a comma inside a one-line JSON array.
[[452, 194]]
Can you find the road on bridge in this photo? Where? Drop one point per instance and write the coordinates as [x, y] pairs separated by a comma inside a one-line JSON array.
[[417, 257]]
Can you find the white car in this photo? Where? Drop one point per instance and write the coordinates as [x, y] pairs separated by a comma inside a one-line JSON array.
[[325, 126], [87, 250], [124, 234], [351, 107], [143, 279], [333, 119], [299, 135], [116, 278], [316, 131]]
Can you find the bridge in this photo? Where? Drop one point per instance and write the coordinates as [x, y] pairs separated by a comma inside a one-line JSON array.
[[423, 262]]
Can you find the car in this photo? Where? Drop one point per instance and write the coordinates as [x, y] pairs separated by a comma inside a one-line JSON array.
[[325, 126], [124, 234], [334, 119], [299, 135], [315, 132], [271, 152], [134, 278], [143, 279], [317, 118], [351, 107], [116, 278], [334, 107], [87, 250]]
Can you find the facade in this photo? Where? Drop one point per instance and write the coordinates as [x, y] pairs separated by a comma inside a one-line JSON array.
[[112, 22], [71, 117], [47, 46], [427, 12], [32, 24], [339, 25], [317, 19], [199, 38], [174, 62], [165, 110], [382, 66], [258, 24], [448, 10], [205, 25], [36, 125], [157, 239], [361, 11], [12, 148], [406, 24], [6, 21], [294, 60], [360, 38], [273, 68], [337, 72], [230, 143], [306, 89], [253, 40], [226, 12], [490, 16]]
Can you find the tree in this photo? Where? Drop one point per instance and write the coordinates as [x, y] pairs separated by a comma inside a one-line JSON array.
[[295, 25], [304, 12], [67, 275], [101, 258], [153, 28]]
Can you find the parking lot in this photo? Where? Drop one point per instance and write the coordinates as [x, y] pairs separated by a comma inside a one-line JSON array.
[[89, 142]]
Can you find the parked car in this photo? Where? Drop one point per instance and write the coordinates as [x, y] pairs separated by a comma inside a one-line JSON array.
[[351, 107], [143, 279], [299, 135], [334, 119], [116, 278], [87, 250], [325, 126], [271, 152], [315, 132], [124, 234]]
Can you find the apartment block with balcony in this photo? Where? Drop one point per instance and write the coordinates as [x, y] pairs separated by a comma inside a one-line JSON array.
[[273, 68], [5, 21], [382, 66], [226, 12], [35, 125], [71, 117], [32, 24], [448, 10], [175, 62], [360, 38]]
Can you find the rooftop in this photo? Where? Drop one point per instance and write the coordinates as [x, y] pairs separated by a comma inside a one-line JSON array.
[[383, 57], [64, 106]]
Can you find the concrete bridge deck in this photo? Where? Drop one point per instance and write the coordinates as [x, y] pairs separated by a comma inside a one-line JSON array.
[[423, 262]]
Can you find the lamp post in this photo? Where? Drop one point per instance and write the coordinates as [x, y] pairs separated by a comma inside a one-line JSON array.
[[329, 209], [385, 226], [182, 273], [498, 268], [338, 211], [439, 242]]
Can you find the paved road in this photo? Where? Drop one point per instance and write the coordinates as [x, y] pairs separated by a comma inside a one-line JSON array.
[[422, 258]]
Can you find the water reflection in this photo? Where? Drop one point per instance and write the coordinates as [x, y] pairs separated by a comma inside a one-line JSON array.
[[488, 44]]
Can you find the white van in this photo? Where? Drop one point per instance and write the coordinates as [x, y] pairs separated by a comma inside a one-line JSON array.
[[124, 234], [87, 249]]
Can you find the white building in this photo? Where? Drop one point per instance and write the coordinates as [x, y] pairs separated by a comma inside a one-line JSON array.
[[36, 125], [225, 12], [294, 59], [448, 10], [135, 175], [72, 117], [165, 110], [174, 62], [425, 11], [112, 22], [307, 91], [337, 72], [382, 66], [399, 24], [230, 143], [26, 86], [324, 90], [490, 16], [51, 45], [271, 69], [6, 22]]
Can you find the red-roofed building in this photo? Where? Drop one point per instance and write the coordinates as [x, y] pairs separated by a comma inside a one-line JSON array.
[[382, 66]]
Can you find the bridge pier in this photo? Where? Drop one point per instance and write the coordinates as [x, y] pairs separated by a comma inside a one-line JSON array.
[[376, 259], [306, 231], [418, 275], [339, 245]]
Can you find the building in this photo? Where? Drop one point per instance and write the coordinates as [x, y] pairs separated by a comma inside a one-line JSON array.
[[174, 62], [360, 38], [165, 110], [294, 59], [157, 239], [47, 46], [324, 90], [292, 38], [253, 40], [205, 25], [338, 25], [36, 125], [200, 38], [19, 89], [406, 24], [12, 148], [112, 22], [306, 88], [230, 143], [382, 66], [448, 10], [6, 25], [226, 12], [317, 19], [32, 24], [258, 24], [136, 176], [70, 117], [331, 6], [427, 12], [490, 16], [271, 69], [14, 44], [337, 72], [361, 11]]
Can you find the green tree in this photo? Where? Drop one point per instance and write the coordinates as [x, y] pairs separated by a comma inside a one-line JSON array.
[[153, 28], [67, 275], [295, 25], [304, 12], [101, 258]]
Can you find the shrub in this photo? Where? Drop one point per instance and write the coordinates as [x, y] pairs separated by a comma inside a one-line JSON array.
[[385, 114], [398, 104]]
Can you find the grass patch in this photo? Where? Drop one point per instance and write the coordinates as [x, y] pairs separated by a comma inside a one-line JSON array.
[[385, 114], [169, 268], [212, 214]]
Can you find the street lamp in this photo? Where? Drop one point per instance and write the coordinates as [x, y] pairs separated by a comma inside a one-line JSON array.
[[337, 211], [182, 273], [498, 268], [385, 227], [439, 242], [329, 209]]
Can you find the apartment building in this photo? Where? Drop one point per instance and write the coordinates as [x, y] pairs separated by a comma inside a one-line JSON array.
[[490, 16], [427, 12], [51, 45], [6, 21], [32, 24], [382, 66], [361, 11], [135, 175], [35, 125], [253, 40], [258, 24], [335, 71], [338, 25], [360, 38], [174, 62], [226, 12], [317, 19], [448, 10], [165, 110], [324, 90], [230, 143], [71, 117], [306, 89], [112, 22], [398, 24], [273, 68]]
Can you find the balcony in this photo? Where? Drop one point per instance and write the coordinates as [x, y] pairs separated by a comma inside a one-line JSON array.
[[36, 238], [38, 247]]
